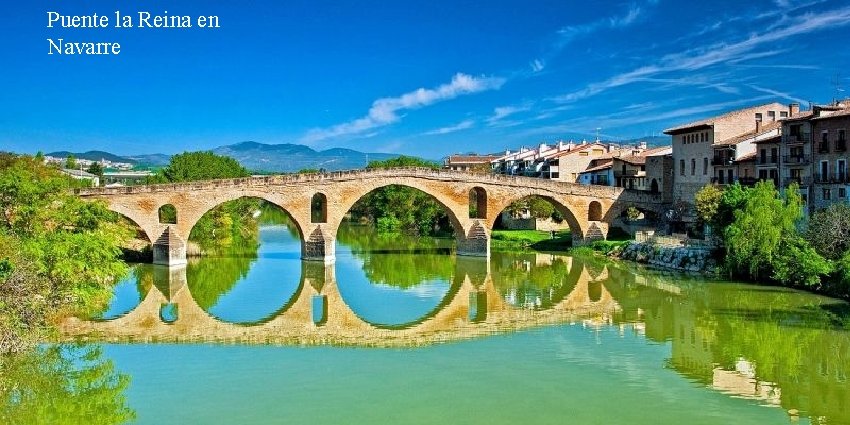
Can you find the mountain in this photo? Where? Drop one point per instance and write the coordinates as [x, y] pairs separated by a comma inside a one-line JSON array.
[[256, 157], [289, 157], [92, 156], [151, 160]]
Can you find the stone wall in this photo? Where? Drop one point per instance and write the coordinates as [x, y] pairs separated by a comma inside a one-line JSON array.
[[676, 258]]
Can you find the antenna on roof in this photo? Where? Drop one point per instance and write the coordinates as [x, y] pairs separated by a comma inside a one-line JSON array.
[[597, 133], [836, 83]]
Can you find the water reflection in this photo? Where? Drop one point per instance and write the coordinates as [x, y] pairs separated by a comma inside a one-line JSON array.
[[392, 281], [62, 384], [773, 346]]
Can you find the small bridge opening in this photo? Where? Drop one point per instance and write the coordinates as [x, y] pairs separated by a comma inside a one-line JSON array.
[[168, 214], [319, 208], [478, 203], [594, 211]]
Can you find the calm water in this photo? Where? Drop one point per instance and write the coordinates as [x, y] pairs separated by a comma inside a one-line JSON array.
[[402, 331]]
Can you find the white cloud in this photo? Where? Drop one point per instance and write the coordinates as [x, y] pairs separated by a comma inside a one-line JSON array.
[[463, 125], [537, 65], [568, 33], [385, 111], [777, 93], [629, 18], [719, 53], [502, 112]]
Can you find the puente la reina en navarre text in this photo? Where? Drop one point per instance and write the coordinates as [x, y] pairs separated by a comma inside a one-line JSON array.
[[589, 210]]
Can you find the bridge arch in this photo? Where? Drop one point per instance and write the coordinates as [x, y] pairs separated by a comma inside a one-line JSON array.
[[451, 208], [167, 214], [566, 211], [190, 219], [478, 202]]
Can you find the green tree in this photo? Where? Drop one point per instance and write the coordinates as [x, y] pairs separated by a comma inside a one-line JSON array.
[[44, 229], [829, 231], [763, 243], [71, 162], [403, 161], [96, 169], [196, 166], [707, 203]]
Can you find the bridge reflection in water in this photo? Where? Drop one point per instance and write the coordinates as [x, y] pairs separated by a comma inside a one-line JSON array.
[[318, 314]]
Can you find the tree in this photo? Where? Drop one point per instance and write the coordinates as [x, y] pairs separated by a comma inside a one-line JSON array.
[[762, 241], [403, 161], [707, 203], [71, 162], [96, 169], [196, 166], [43, 230], [828, 231]]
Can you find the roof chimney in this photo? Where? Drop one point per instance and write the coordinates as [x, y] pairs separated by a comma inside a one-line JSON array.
[[793, 109]]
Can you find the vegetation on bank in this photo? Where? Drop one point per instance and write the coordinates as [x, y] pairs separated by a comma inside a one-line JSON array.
[[58, 254], [766, 239], [524, 240]]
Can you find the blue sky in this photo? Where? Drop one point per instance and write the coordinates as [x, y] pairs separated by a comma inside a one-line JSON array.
[[423, 78]]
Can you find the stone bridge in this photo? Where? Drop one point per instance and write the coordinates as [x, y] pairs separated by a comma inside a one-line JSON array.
[[318, 203], [318, 315]]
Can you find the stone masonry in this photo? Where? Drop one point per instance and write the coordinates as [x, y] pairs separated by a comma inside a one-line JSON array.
[[293, 193]]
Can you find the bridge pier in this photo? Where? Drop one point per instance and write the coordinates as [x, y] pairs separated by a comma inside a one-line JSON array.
[[319, 245], [476, 243], [169, 249]]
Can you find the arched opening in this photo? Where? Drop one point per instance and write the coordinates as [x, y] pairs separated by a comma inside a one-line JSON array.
[[168, 214], [594, 291], [478, 203], [319, 208], [537, 222], [244, 260], [653, 187], [395, 249], [594, 211]]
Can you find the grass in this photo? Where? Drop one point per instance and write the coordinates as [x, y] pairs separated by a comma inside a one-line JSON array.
[[537, 240], [528, 240]]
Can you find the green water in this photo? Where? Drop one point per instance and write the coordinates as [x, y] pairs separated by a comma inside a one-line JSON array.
[[627, 345]]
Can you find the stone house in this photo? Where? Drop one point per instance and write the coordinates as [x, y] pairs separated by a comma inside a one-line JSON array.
[[693, 144], [831, 176]]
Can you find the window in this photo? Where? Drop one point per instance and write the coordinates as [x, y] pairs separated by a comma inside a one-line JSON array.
[[827, 194], [773, 155], [758, 116], [783, 114], [824, 137], [682, 167], [841, 135], [771, 115], [762, 174], [693, 166], [841, 170], [824, 170], [842, 192], [705, 166]]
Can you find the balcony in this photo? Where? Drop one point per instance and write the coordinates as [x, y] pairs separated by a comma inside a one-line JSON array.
[[768, 160], [832, 178], [721, 161], [747, 181], [841, 146], [797, 138], [797, 159], [801, 181]]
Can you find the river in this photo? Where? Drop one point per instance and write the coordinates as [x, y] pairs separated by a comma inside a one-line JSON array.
[[400, 330]]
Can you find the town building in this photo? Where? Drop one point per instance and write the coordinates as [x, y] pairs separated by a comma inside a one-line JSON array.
[[734, 159], [830, 178], [469, 162], [693, 144], [82, 175], [125, 178]]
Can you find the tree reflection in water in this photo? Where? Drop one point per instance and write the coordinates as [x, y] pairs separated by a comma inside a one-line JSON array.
[[62, 384]]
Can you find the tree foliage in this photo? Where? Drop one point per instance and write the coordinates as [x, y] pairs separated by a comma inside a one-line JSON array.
[[59, 250], [707, 203], [197, 166], [762, 241], [829, 231], [402, 209], [96, 169], [536, 206]]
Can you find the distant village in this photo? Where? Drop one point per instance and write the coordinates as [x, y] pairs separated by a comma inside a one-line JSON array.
[[776, 142]]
